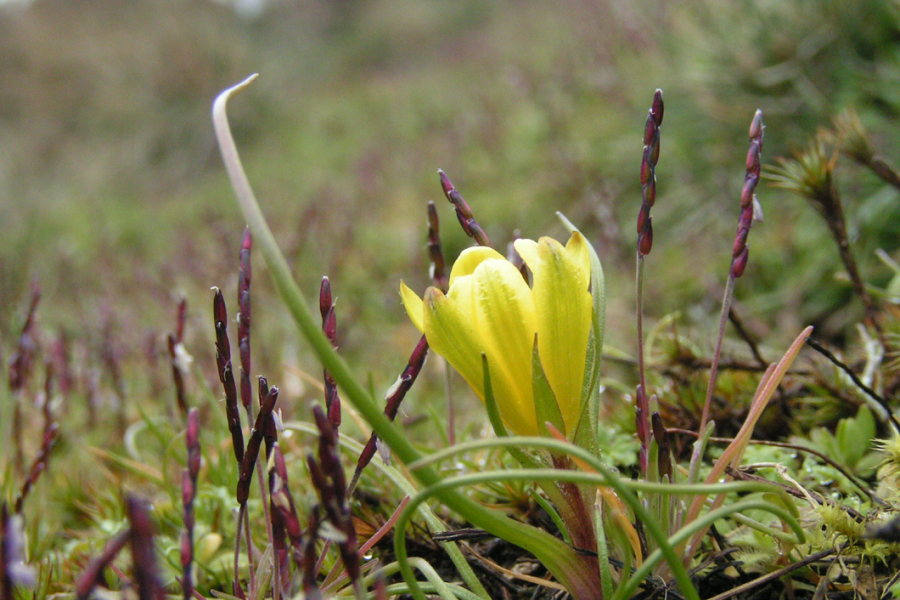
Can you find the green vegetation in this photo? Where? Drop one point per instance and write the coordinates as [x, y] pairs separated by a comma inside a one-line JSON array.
[[115, 204]]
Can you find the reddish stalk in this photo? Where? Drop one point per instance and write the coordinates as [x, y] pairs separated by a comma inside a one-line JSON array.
[[251, 456], [327, 475], [283, 505], [93, 573], [20, 368], [649, 160], [143, 550], [189, 494], [38, 466], [270, 435], [750, 211], [440, 281]]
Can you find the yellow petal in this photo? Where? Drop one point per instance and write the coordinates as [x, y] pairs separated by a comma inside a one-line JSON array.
[[469, 260], [451, 333], [413, 305], [505, 318], [564, 310]]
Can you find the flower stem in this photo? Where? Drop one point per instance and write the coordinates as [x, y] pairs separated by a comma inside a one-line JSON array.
[[714, 368], [642, 405]]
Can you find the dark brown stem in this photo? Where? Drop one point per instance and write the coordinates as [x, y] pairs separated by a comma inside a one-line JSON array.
[[394, 396], [880, 167], [745, 335]]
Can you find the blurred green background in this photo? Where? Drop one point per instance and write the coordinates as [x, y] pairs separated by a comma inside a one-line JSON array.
[[113, 196]]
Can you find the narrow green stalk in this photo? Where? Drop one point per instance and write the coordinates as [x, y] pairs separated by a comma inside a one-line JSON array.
[[554, 516], [401, 588], [699, 450], [602, 549]]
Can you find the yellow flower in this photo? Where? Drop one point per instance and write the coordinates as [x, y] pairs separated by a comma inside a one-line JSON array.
[[491, 309]]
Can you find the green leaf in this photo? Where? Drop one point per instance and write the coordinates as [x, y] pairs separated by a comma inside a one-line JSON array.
[[490, 402], [854, 435]]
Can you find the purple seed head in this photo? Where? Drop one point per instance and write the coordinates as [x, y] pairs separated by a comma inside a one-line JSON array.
[[750, 207], [645, 240], [657, 107], [756, 127], [649, 159], [463, 212], [325, 299], [740, 262]]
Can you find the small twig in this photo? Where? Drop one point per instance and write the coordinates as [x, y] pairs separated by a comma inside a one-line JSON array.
[[760, 581], [869, 391]]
